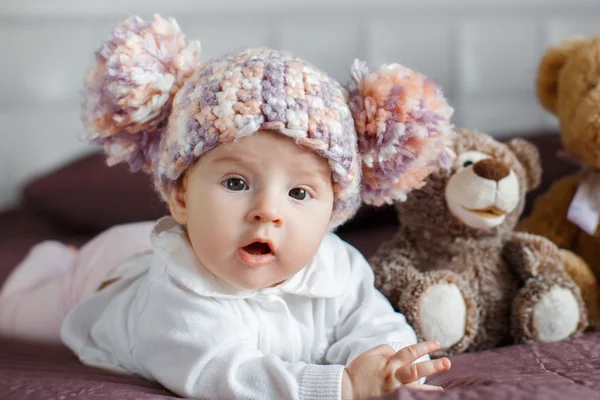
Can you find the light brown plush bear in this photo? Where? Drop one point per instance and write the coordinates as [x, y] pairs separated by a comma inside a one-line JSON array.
[[568, 85], [458, 271]]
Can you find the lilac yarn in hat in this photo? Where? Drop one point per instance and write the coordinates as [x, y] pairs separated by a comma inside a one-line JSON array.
[[152, 104], [129, 91], [403, 123]]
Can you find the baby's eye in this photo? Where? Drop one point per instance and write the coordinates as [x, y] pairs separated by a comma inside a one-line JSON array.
[[299, 194], [235, 184]]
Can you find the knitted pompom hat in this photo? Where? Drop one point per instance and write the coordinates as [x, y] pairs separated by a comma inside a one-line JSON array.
[[151, 103]]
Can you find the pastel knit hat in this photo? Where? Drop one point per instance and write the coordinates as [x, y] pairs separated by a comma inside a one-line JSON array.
[[152, 103]]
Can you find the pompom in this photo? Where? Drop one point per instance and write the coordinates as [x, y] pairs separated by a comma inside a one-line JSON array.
[[403, 125], [129, 92]]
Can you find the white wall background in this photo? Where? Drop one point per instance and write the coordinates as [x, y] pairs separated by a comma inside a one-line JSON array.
[[483, 52]]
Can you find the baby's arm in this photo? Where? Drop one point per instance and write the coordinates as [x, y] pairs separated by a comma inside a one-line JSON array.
[[366, 317], [197, 348]]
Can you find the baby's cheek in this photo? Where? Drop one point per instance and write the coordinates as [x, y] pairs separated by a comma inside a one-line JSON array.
[[210, 236], [293, 258], [217, 212]]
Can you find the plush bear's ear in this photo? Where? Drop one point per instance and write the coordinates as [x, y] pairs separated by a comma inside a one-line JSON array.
[[528, 155], [549, 70]]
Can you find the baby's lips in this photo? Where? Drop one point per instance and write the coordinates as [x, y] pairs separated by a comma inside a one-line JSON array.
[[254, 260]]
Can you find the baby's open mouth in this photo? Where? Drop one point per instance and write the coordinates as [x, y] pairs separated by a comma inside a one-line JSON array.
[[257, 248], [256, 254], [488, 212]]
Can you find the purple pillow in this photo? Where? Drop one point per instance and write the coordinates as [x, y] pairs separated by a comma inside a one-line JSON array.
[[88, 196]]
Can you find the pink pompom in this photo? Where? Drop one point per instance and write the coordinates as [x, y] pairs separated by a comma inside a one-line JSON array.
[[403, 125], [129, 92]]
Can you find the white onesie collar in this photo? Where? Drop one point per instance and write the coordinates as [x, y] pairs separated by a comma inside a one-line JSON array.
[[325, 276]]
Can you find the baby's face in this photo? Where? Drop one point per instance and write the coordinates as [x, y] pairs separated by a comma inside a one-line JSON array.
[[256, 210]]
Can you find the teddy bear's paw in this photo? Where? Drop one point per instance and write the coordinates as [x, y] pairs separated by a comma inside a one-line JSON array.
[[556, 315], [443, 314]]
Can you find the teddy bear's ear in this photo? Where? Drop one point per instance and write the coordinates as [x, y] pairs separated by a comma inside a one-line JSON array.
[[528, 155], [549, 70]]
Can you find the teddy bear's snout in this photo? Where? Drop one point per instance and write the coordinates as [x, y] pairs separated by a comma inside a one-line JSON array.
[[483, 192], [491, 169]]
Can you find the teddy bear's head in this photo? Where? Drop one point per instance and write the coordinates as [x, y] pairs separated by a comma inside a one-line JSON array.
[[483, 193], [568, 85]]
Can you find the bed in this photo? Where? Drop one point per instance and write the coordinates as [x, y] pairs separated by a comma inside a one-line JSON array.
[[79, 200]]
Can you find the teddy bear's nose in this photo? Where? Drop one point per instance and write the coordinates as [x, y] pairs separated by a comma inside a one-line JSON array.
[[491, 169]]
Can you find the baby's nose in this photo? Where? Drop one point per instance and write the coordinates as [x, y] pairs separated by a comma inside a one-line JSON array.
[[265, 213]]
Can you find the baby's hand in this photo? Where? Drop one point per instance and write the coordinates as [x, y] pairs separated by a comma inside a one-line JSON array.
[[381, 370]]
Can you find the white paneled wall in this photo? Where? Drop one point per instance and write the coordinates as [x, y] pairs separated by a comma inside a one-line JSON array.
[[483, 52]]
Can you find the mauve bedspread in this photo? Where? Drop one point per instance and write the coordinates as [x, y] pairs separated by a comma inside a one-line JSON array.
[[567, 370]]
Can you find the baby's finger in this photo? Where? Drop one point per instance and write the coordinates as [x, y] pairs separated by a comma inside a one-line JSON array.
[[413, 372], [408, 354], [422, 386]]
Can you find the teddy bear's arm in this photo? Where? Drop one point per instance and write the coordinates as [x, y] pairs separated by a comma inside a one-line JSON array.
[[532, 255], [393, 270], [549, 306], [438, 304], [549, 215]]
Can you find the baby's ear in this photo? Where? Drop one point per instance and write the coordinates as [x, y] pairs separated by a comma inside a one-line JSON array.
[[549, 70], [529, 156], [177, 200]]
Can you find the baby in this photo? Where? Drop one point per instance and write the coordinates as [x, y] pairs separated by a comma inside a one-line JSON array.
[[243, 291]]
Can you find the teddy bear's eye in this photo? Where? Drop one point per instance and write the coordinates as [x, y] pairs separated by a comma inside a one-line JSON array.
[[470, 157]]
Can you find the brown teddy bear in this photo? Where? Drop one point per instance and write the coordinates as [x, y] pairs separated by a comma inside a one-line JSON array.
[[568, 85], [458, 271]]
